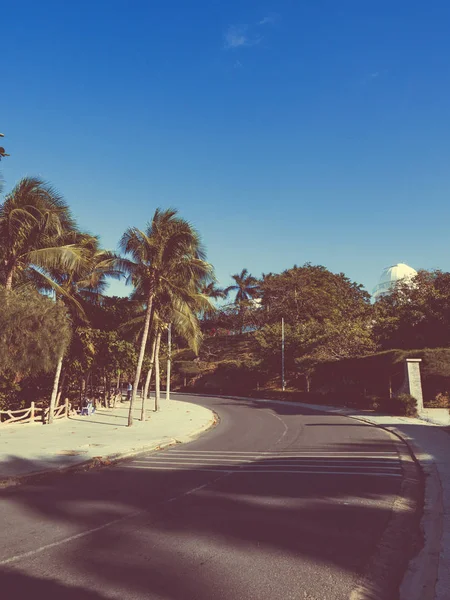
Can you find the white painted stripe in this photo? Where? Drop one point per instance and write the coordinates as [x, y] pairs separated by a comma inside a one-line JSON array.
[[267, 459], [268, 466], [83, 534], [281, 472], [282, 456], [277, 463], [286, 452], [68, 539]]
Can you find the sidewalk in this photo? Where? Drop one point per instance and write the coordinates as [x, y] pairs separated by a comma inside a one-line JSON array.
[[32, 448]]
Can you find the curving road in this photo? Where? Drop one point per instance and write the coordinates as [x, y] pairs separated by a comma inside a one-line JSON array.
[[276, 502]]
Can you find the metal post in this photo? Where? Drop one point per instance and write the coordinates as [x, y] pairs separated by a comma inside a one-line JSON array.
[[169, 359], [282, 355]]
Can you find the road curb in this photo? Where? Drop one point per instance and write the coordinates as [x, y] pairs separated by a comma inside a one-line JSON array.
[[398, 541], [104, 461], [195, 434], [419, 582]]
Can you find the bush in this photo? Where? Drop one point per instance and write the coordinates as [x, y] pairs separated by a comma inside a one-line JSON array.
[[187, 368], [403, 405], [184, 355], [407, 405], [442, 400]]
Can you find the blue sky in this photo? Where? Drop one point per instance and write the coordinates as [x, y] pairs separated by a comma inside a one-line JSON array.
[[287, 132]]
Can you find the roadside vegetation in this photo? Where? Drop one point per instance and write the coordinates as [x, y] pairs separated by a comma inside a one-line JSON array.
[[62, 336]]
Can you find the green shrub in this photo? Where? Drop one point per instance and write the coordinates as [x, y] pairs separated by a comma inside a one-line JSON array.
[[442, 400], [378, 403], [408, 405], [184, 355], [187, 368], [403, 405]]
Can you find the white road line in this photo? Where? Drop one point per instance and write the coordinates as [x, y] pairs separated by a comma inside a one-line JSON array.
[[71, 538], [280, 452], [268, 466], [274, 414], [361, 459], [279, 471], [83, 534], [274, 461], [280, 455]]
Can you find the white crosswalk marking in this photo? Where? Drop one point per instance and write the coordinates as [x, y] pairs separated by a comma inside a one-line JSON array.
[[383, 464]]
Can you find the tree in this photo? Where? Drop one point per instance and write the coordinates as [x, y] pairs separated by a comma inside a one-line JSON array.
[[112, 354], [78, 288], [211, 290], [180, 312], [34, 331], [327, 317], [247, 290], [246, 287], [169, 255], [36, 230], [2, 150], [311, 292], [311, 342], [416, 314]]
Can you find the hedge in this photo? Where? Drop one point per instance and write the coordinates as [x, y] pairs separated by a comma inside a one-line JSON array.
[[382, 373]]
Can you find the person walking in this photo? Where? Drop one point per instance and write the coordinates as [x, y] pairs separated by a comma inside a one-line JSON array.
[[129, 391]]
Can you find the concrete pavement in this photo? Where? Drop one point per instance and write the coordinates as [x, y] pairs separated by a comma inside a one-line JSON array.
[[276, 502], [32, 448], [428, 573]]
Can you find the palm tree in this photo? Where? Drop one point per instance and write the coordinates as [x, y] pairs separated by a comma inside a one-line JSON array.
[[35, 232], [78, 289], [167, 255], [212, 291], [246, 287], [2, 150], [181, 316], [168, 309]]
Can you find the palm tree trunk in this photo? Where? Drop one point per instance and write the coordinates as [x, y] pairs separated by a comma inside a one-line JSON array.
[[157, 374], [169, 360], [105, 390], [82, 389], [148, 379], [9, 280], [141, 358], [51, 409], [61, 387], [118, 390]]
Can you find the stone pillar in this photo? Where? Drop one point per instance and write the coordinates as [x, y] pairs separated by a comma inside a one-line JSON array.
[[413, 383]]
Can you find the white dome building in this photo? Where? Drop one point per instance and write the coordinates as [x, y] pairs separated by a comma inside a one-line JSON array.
[[389, 278]]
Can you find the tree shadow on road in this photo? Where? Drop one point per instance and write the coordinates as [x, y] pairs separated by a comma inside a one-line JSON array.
[[204, 533], [199, 545], [17, 585]]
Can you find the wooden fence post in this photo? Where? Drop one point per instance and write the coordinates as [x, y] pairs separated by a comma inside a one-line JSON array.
[[32, 412], [66, 404]]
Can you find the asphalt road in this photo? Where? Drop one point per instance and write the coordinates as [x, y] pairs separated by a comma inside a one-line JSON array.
[[275, 503]]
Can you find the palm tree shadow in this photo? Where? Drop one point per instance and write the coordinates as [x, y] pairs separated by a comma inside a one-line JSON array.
[[15, 584], [332, 521]]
